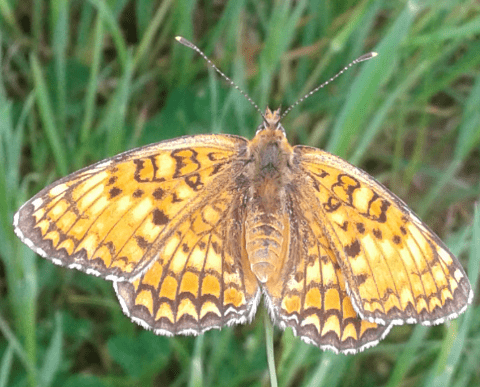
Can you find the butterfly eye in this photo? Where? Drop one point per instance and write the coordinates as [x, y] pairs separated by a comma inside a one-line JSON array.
[[261, 127]]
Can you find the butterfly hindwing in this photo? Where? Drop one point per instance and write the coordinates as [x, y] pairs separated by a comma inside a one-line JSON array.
[[201, 278], [313, 300]]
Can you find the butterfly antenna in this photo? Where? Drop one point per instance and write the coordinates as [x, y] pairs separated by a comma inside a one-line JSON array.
[[362, 58], [189, 44]]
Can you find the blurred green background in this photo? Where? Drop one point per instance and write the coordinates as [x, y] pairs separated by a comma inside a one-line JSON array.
[[85, 80]]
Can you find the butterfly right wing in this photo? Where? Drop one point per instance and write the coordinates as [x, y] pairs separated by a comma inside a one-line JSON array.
[[313, 300], [395, 268]]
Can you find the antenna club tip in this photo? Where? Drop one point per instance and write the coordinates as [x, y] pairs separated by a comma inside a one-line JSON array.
[[374, 54], [185, 42]]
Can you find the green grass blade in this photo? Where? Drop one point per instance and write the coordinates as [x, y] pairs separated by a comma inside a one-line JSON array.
[[53, 356], [59, 17], [6, 366], [282, 22], [196, 371], [115, 119], [469, 130], [409, 356], [47, 115], [19, 270], [148, 38], [320, 374], [109, 20], [359, 104], [270, 353], [468, 140], [465, 31], [19, 350], [93, 83], [9, 16], [450, 359]]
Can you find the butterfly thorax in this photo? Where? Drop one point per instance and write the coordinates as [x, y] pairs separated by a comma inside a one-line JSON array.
[[267, 220]]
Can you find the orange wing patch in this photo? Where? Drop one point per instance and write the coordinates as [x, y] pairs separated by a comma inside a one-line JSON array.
[[396, 270]]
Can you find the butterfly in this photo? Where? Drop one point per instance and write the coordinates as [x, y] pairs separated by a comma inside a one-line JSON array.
[[193, 231]]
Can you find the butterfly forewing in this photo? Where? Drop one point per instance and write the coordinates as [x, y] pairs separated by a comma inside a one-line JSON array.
[[110, 219], [396, 270]]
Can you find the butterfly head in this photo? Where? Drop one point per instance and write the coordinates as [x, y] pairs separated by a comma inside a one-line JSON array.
[[270, 145], [271, 121]]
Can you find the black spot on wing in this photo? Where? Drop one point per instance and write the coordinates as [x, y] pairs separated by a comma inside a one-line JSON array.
[[141, 242], [114, 191], [158, 193], [360, 228], [112, 180], [137, 193], [353, 249], [159, 217]]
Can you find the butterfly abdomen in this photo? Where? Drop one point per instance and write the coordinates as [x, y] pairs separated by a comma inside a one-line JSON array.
[[264, 239], [266, 230]]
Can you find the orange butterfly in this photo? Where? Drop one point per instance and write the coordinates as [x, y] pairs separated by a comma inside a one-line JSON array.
[[192, 231]]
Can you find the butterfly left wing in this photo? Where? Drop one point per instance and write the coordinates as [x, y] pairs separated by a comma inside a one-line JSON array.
[[396, 269], [111, 218]]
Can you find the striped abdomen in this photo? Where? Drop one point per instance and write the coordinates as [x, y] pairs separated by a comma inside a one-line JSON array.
[[265, 236]]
